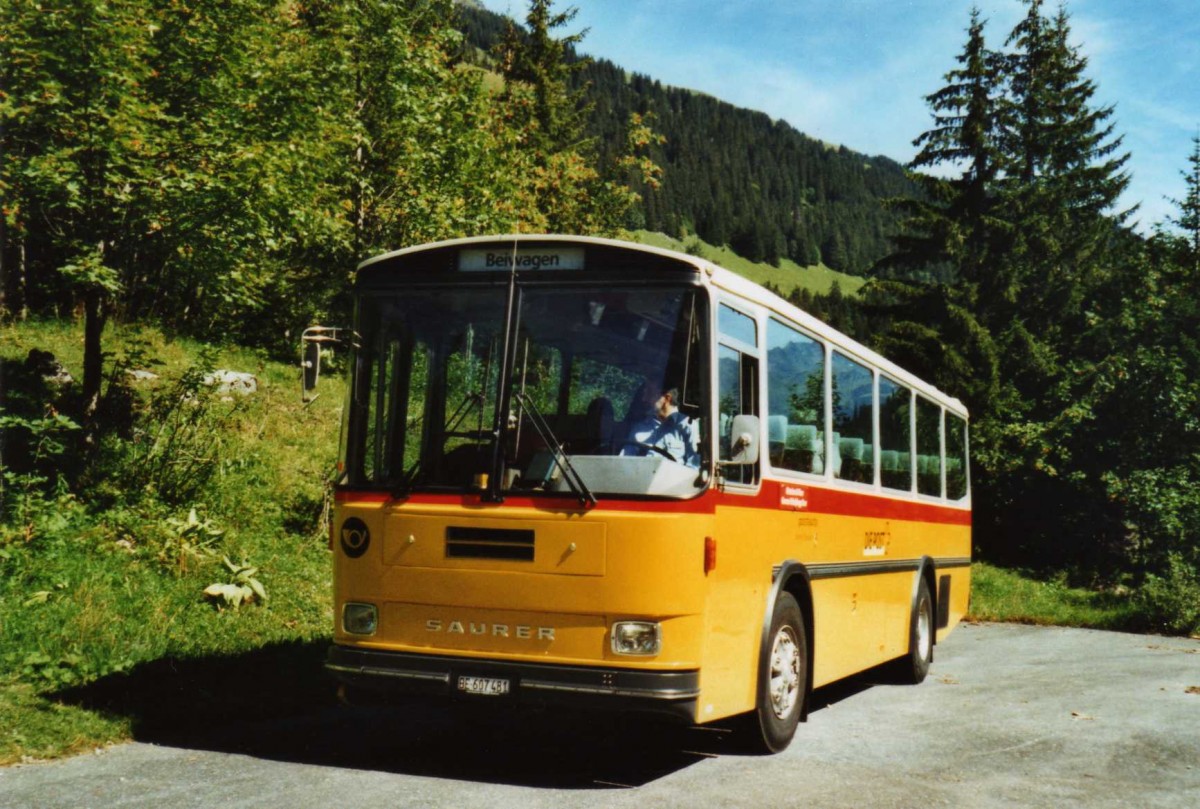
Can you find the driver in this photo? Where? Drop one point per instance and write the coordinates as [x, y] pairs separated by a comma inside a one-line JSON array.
[[662, 427]]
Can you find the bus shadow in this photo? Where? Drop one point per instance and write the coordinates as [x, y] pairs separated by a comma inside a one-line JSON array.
[[276, 703], [830, 695]]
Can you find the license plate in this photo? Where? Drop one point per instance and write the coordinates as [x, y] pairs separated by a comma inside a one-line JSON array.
[[486, 686]]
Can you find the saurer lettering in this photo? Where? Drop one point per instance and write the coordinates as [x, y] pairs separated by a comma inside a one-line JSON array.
[[518, 631]]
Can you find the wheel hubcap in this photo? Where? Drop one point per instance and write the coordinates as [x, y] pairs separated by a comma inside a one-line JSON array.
[[924, 632], [785, 672]]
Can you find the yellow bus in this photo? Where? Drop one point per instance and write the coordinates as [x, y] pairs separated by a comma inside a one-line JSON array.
[[589, 473]]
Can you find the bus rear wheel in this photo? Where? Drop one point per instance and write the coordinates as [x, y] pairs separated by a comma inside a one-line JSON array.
[[915, 666], [782, 678]]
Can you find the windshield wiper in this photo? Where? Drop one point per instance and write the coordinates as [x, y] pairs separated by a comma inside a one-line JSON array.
[[560, 455]]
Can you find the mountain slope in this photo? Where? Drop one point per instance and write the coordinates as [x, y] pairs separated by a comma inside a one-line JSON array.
[[734, 176]]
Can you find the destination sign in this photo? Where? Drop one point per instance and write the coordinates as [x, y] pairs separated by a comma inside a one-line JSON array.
[[529, 258]]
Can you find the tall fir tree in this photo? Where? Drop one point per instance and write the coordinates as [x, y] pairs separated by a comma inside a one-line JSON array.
[[560, 184], [1030, 227], [928, 326], [1062, 176], [545, 63], [1188, 217], [955, 224]]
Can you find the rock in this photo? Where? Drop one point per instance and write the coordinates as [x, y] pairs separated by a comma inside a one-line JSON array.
[[140, 376], [48, 367], [232, 382]]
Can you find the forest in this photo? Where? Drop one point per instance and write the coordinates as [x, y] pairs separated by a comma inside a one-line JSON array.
[[187, 179], [730, 175]]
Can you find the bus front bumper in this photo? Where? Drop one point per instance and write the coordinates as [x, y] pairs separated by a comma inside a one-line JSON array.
[[534, 684]]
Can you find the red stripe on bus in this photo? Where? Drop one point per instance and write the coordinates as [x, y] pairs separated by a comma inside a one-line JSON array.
[[799, 497], [802, 497]]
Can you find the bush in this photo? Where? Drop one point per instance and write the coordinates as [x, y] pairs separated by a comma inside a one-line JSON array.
[[179, 442], [1171, 601], [33, 495]]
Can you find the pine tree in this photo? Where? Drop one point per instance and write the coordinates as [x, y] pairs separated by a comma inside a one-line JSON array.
[[545, 63], [1188, 219], [559, 181], [955, 223], [1062, 176], [933, 327]]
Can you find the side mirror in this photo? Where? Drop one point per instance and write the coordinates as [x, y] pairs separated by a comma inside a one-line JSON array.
[[743, 440], [310, 366], [312, 340]]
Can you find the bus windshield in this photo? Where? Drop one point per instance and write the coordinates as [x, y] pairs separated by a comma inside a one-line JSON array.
[[604, 391]]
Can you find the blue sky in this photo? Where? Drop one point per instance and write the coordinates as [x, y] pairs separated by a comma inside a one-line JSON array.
[[855, 72]]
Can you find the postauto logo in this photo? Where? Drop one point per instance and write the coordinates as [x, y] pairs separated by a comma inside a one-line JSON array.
[[355, 537]]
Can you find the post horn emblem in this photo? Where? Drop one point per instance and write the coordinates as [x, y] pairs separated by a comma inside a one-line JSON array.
[[355, 537]]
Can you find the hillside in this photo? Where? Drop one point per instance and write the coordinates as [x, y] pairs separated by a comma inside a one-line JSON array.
[[787, 277], [734, 176]]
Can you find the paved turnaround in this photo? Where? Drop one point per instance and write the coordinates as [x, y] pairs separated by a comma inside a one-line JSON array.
[[1010, 716]]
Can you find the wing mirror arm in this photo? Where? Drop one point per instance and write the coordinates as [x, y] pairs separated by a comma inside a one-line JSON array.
[[312, 341]]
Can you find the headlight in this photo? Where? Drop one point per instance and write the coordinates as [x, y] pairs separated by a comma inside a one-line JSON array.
[[636, 638], [359, 619]]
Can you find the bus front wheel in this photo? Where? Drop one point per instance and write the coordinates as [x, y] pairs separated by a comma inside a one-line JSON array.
[[782, 677]]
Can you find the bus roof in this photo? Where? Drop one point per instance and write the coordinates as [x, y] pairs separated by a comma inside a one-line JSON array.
[[515, 239], [716, 276]]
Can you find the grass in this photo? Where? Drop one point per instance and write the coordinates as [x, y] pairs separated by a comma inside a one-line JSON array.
[[101, 583], [788, 276], [1000, 594]]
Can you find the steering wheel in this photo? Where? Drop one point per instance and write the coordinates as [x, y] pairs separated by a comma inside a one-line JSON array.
[[652, 448]]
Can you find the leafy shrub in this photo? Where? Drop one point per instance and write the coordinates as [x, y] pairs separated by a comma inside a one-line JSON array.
[[243, 589], [1171, 601], [190, 542], [33, 496], [179, 443]]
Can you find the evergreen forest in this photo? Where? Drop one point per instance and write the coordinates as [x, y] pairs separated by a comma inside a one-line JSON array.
[[182, 180], [731, 176]]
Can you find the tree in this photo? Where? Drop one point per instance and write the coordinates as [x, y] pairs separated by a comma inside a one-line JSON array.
[[956, 223], [80, 144], [537, 59], [559, 181], [1039, 262], [1188, 219], [1062, 176]]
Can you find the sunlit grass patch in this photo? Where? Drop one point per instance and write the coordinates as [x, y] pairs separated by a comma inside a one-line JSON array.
[[1000, 594]]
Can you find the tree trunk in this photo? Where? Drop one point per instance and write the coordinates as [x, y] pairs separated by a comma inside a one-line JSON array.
[[93, 367]]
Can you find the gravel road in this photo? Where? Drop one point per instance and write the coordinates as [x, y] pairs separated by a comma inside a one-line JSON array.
[[1010, 716]]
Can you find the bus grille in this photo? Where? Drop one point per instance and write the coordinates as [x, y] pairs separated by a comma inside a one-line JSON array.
[[489, 543]]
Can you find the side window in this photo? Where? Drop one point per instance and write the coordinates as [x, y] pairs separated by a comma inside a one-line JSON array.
[[929, 448], [895, 442], [740, 327], [852, 450], [795, 399], [956, 457], [380, 401], [412, 408], [737, 386]]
